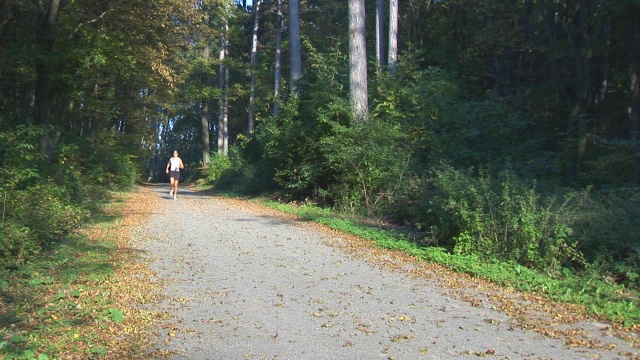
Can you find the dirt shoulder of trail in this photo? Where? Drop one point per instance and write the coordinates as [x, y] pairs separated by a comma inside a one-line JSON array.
[[570, 323]]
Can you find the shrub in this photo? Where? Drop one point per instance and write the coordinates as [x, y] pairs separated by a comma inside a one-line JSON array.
[[16, 243], [503, 217], [90, 163], [20, 158], [608, 230], [237, 172], [45, 199], [46, 210], [370, 165], [34, 216], [219, 170]]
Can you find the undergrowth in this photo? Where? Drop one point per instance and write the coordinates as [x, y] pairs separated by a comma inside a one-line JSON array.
[[70, 300]]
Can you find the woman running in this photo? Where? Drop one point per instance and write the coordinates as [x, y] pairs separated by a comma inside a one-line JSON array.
[[173, 169]]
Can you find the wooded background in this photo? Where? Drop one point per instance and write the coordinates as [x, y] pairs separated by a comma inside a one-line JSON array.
[[507, 129]]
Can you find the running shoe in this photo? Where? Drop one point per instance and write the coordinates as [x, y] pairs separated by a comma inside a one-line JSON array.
[[171, 192]]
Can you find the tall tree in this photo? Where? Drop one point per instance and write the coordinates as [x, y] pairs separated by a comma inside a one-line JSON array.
[[223, 84], [577, 126], [253, 65], [277, 61], [380, 54], [204, 113], [393, 35], [358, 60], [634, 90], [43, 97], [295, 51]]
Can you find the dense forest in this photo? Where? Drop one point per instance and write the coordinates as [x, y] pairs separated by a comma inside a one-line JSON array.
[[503, 130]]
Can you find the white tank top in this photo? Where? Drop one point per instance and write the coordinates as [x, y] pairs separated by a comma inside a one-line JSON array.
[[175, 164]]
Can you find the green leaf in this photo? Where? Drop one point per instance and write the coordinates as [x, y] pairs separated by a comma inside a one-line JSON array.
[[115, 315]]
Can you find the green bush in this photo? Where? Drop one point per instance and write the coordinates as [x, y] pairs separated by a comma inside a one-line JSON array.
[[47, 211], [503, 217], [21, 160], [236, 171], [371, 166], [291, 144], [96, 164], [609, 231], [46, 198], [220, 171], [34, 216], [16, 243]]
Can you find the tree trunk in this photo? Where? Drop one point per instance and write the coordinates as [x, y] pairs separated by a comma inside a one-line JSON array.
[[254, 62], [295, 52], [635, 100], [358, 60], [43, 97], [380, 34], [393, 35], [223, 102], [204, 115], [577, 127], [552, 25], [204, 121], [606, 34], [44, 38], [277, 62]]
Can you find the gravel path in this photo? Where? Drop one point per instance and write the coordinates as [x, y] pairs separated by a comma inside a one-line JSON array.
[[246, 283]]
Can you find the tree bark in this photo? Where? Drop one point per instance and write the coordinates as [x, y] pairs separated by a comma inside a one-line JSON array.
[[393, 36], [358, 60], [295, 52], [223, 101], [380, 55], [634, 109], [44, 38], [254, 63], [606, 34], [277, 62], [577, 127], [204, 114], [204, 121], [43, 97]]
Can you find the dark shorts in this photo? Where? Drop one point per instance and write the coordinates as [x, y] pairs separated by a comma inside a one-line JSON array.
[[175, 175]]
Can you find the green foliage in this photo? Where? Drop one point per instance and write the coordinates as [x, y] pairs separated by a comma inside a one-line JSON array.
[[20, 157], [47, 210], [608, 230], [219, 170], [44, 200], [292, 149], [16, 242], [502, 217], [114, 314], [36, 215], [442, 124], [292, 143], [98, 162], [235, 172], [371, 165]]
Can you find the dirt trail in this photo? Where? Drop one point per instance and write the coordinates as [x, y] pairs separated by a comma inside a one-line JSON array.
[[244, 282]]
